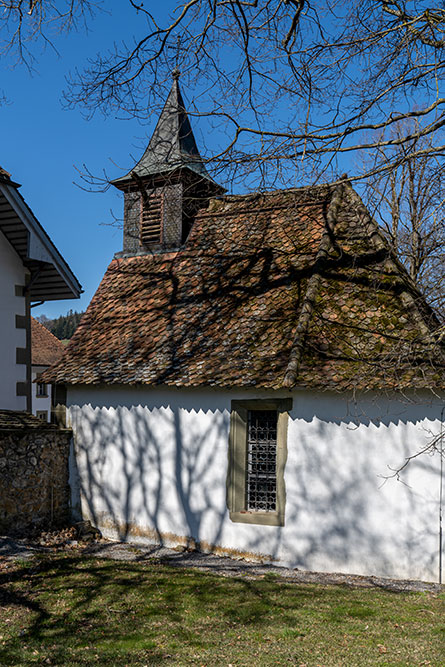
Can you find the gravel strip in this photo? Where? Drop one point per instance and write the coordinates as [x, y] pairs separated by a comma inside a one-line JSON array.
[[228, 567], [231, 567]]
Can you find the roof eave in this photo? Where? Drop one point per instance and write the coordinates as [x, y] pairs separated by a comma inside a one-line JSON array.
[[124, 181], [40, 247]]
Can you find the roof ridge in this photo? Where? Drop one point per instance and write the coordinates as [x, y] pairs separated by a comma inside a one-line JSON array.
[[313, 286], [292, 188], [206, 213], [256, 194]]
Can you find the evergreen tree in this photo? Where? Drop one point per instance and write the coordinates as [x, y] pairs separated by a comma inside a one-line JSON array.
[[62, 327]]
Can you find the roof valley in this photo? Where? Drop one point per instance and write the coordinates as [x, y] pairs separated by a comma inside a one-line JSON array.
[[312, 289]]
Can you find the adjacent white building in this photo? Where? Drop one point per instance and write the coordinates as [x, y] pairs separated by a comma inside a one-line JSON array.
[[12, 337], [31, 271], [46, 350]]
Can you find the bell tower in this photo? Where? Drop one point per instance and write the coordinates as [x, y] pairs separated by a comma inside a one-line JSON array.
[[169, 184]]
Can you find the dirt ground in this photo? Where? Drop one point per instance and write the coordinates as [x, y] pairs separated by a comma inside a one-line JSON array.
[[228, 567]]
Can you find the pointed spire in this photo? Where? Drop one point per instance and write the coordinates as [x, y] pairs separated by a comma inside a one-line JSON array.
[[172, 145]]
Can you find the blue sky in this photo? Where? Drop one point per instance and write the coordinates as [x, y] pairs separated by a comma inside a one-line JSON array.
[[42, 145]]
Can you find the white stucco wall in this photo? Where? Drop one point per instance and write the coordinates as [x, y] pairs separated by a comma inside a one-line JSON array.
[[12, 272], [155, 460], [40, 403]]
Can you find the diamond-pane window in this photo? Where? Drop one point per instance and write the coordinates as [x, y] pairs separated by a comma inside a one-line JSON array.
[[261, 472]]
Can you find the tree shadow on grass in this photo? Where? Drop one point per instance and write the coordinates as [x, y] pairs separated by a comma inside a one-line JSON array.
[[75, 610]]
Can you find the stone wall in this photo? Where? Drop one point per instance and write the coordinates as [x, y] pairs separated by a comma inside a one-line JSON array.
[[34, 491]]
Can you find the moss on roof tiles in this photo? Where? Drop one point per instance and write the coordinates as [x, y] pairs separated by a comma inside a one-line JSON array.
[[227, 310]]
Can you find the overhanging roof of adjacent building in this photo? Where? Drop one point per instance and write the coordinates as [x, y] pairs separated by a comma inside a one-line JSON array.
[[51, 277], [294, 288]]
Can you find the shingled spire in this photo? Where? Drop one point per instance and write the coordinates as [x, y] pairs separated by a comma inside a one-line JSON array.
[[168, 185]]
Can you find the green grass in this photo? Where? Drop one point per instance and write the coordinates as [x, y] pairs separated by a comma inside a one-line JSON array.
[[69, 610]]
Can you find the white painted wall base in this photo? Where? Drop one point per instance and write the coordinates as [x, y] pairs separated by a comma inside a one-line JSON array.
[[152, 463]]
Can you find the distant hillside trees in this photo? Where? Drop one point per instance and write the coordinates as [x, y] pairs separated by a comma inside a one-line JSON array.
[[62, 327]]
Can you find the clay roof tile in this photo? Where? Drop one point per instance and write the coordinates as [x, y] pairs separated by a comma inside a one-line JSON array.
[[46, 349], [261, 296]]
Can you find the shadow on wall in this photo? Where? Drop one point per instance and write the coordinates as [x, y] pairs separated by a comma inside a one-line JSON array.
[[379, 409], [150, 473], [161, 473], [355, 510]]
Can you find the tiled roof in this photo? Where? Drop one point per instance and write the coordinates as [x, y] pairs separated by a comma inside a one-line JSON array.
[[11, 420], [46, 349], [292, 288], [52, 278]]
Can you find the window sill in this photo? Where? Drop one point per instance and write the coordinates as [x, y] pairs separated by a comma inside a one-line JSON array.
[[259, 518]]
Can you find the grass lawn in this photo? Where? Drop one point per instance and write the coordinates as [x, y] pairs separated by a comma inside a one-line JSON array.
[[70, 610]]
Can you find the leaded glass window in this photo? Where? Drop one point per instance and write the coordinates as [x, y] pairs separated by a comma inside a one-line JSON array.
[[261, 472]]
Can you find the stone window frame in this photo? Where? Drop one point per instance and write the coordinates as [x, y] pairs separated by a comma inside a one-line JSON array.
[[236, 479], [42, 414]]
